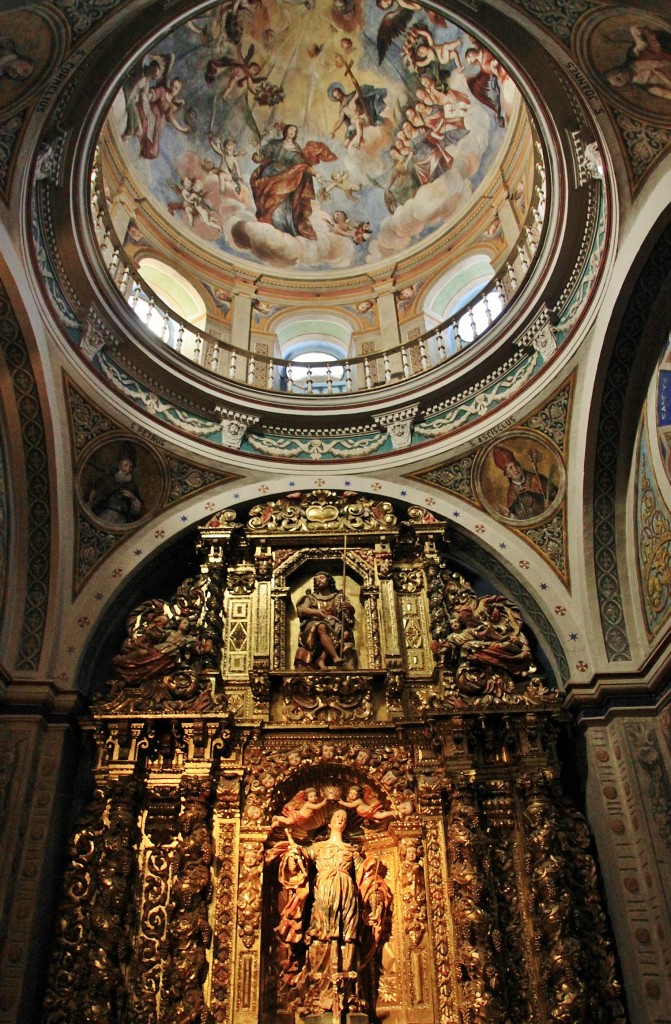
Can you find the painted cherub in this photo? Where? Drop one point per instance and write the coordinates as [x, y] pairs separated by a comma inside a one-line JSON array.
[[341, 225], [300, 809], [341, 180], [365, 803]]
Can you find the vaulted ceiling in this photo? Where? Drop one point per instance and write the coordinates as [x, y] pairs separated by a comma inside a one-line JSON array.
[[543, 154]]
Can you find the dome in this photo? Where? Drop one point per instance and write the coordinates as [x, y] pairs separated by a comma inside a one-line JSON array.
[[315, 140], [335, 162]]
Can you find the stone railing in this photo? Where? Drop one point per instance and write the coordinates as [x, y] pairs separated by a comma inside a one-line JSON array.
[[412, 357]]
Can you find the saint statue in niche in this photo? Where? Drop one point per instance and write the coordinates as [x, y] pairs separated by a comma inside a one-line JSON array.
[[326, 635], [334, 918]]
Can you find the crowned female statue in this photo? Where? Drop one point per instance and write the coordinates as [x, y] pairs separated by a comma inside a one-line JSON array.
[[328, 947]]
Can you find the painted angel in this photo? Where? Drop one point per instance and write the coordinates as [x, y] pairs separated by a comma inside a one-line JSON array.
[[338, 180], [300, 809], [340, 224], [422, 51], [485, 78], [397, 19], [193, 203], [228, 172], [159, 106], [237, 71], [139, 80]]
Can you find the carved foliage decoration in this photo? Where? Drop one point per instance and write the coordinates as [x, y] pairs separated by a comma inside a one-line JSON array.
[[440, 921], [88, 977], [249, 892], [325, 512], [477, 935], [577, 966], [413, 888], [503, 865], [224, 914], [314, 699], [188, 933]]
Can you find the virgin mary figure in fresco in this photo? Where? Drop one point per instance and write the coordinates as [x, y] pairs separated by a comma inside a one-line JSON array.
[[282, 184]]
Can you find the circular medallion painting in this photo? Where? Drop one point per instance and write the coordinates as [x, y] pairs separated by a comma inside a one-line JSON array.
[[120, 483], [314, 135], [32, 42], [629, 53], [520, 478]]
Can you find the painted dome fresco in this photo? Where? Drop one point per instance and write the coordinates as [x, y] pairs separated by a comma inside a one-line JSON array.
[[313, 135]]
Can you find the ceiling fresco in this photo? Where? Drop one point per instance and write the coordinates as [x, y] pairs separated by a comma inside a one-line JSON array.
[[315, 135]]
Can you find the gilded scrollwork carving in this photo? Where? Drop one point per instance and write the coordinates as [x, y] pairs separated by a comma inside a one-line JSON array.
[[241, 579], [321, 700], [407, 579], [188, 933], [87, 976], [321, 510], [156, 864], [413, 888], [499, 819], [477, 934], [249, 892], [445, 972], [200, 599], [212, 752], [577, 966], [224, 913]]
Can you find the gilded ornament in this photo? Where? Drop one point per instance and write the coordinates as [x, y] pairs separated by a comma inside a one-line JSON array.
[[247, 869]]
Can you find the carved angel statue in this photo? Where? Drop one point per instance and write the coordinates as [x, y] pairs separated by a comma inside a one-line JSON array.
[[300, 809], [366, 804], [328, 953], [156, 645], [486, 647]]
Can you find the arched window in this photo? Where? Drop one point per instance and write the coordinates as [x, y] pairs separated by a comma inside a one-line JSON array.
[[176, 292], [455, 289], [317, 346]]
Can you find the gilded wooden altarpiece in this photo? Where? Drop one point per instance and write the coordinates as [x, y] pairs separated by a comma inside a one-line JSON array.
[[326, 789]]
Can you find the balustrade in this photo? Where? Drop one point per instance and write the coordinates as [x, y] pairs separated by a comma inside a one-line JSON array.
[[434, 347]]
